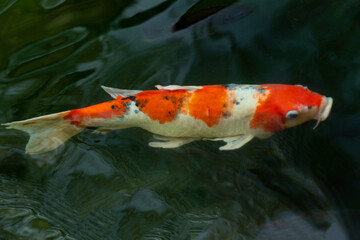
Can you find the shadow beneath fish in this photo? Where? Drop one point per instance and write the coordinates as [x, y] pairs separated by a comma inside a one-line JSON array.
[[217, 15], [211, 16], [143, 16]]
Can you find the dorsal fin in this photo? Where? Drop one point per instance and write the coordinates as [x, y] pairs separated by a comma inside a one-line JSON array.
[[177, 87], [115, 92]]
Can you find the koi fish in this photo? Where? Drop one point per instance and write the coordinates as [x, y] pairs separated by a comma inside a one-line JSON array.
[[178, 115]]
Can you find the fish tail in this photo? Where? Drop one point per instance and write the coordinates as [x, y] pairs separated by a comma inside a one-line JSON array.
[[46, 132]]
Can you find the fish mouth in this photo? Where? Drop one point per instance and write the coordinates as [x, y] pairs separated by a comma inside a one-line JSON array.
[[325, 113], [324, 110]]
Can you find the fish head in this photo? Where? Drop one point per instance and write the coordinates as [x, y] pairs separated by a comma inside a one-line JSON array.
[[285, 106], [308, 111]]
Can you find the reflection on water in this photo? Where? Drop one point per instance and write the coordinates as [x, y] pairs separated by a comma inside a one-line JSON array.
[[5, 5], [48, 4], [299, 184]]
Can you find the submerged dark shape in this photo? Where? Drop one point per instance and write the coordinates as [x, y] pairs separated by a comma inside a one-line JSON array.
[[289, 225], [192, 18], [132, 98], [215, 16], [145, 15], [220, 15]]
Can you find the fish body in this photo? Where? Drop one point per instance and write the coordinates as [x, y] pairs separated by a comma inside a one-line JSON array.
[[180, 114]]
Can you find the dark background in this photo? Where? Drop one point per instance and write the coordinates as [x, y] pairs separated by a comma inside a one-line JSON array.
[[299, 184]]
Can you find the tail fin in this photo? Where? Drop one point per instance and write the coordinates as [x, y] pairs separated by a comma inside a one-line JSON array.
[[46, 132]]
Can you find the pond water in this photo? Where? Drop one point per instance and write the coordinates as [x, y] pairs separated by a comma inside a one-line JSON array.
[[298, 184]]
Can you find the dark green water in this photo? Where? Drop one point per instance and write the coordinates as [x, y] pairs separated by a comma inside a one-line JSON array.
[[298, 184]]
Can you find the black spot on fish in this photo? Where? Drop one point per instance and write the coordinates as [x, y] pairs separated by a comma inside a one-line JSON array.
[[115, 107], [141, 103], [249, 87], [229, 86], [226, 114], [262, 90], [127, 106], [236, 102], [132, 98], [136, 111]]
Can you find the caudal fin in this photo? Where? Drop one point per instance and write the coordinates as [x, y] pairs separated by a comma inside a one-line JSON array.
[[46, 132]]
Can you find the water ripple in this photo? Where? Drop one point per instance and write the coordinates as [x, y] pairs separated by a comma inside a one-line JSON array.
[[115, 186], [46, 47], [49, 4], [5, 5], [27, 204]]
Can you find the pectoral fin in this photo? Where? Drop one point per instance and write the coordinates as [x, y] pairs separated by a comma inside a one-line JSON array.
[[233, 142], [102, 131], [105, 130], [170, 142]]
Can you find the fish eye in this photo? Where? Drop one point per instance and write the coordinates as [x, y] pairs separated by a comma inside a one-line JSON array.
[[292, 114]]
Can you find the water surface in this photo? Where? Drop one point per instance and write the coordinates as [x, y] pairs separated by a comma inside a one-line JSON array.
[[299, 184]]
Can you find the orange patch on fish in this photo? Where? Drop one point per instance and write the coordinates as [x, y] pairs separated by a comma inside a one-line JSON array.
[[210, 103], [161, 105], [276, 100], [105, 110]]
